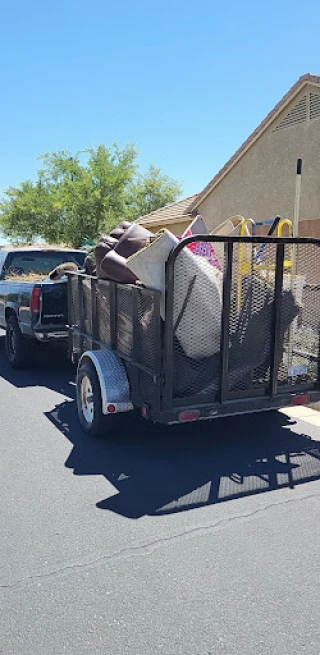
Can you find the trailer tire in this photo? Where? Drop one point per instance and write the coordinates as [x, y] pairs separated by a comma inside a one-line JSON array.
[[89, 403], [16, 345]]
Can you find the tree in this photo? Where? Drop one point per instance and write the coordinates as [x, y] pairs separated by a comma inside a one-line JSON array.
[[151, 191], [83, 195], [22, 210]]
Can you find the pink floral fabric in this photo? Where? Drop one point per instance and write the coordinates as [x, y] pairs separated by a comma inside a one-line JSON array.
[[203, 249]]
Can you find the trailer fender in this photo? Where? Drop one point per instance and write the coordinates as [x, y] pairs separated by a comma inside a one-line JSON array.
[[113, 379]]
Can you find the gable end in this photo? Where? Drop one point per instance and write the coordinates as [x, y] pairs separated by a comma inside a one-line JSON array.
[[314, 105], [298, 114]]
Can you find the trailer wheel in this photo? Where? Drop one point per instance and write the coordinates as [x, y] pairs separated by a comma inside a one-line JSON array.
[[16, 345], [89, 403]]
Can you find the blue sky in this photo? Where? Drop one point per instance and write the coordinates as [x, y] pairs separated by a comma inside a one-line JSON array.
[[186, 82]]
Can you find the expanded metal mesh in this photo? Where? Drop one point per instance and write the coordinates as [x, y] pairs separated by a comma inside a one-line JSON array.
[[149, 343], [103, 311], [87, 306], [251, 317], [124, 318], [124, 321], [256, 345], [300, 355], [197, 307]]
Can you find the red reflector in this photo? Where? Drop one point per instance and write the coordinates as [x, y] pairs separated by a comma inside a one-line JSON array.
[[193, 415], [144, 412], [35, 301], [300, 400], [111, 409]]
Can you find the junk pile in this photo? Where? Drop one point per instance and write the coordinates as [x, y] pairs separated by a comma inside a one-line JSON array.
[[133, 255]]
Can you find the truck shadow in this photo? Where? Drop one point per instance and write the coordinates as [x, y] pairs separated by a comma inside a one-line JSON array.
[[160, 470], [50, 368]]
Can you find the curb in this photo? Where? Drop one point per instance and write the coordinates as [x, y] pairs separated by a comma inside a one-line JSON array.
[[315, 406], [303, 413]]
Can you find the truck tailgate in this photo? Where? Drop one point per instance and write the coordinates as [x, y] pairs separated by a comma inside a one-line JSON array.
[[54, 309]]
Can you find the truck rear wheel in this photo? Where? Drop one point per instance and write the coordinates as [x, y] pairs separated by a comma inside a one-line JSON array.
[[89, 403], [16, 345]]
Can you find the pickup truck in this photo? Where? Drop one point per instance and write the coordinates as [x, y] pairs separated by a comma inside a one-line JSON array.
[[33, 310]]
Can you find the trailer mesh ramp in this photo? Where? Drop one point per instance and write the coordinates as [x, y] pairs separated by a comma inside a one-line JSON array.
[[300, 357], [272, 323], [251, 317]]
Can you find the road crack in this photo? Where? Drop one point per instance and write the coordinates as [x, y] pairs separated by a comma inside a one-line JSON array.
[[149, 548]]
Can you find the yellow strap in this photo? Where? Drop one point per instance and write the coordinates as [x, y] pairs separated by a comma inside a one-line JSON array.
[[248, 221], [285, 221]]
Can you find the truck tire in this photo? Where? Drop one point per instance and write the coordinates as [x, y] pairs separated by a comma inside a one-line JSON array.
[[16, 345], [89, 403]]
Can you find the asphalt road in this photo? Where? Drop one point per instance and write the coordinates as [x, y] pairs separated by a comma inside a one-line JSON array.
[[190, 541]]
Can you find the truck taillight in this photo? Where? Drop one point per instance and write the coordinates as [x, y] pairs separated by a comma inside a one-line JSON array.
[[35, 301]]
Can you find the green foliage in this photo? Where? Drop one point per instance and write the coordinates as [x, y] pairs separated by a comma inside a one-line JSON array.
[[151, 191], [78, 197]]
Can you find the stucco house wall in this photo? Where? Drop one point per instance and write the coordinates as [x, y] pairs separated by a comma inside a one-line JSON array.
[[261, 184]]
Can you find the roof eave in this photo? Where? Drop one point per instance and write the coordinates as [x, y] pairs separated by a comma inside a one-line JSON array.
[[255, 135], [166, 221]]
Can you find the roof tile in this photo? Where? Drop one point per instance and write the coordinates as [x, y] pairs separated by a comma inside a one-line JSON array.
[[175, 211]]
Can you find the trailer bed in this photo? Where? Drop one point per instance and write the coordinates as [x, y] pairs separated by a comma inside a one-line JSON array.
[[265, 353]]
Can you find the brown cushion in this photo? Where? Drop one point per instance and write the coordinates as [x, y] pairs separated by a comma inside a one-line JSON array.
[[111, 254], [114, 267], [107, 238], [103, 247], [133, 239], [120, 229]]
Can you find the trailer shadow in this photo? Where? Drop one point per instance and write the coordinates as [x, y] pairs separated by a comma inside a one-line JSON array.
[[50, 368], [160, 470]]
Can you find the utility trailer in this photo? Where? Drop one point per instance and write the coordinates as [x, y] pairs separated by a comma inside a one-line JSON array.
[[135, 350]]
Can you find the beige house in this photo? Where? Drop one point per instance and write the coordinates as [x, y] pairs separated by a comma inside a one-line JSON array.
[[259, 180]]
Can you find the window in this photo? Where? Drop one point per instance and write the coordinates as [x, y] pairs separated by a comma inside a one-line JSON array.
[[41, 262]]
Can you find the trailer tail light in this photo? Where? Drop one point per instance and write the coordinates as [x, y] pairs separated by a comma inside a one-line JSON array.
[[191, 415], [111, 409], [300, 400], [35, 301]]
